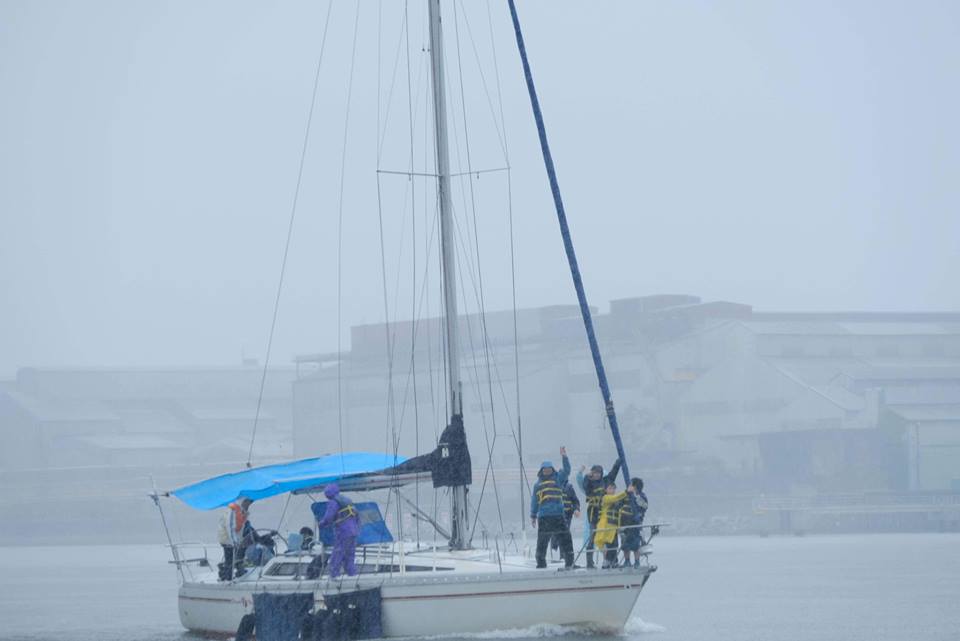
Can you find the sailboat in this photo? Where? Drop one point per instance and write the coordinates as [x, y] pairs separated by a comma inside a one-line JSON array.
[[439, 590]]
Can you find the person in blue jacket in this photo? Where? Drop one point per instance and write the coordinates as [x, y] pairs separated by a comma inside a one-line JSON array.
[[547, 510], [342, 514]]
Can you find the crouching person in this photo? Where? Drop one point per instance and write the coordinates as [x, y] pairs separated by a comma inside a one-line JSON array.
[[342, 514], [547, 511]]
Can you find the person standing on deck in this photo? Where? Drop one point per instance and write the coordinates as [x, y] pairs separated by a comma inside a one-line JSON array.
[[547, 513], [346, 527], [594, 486], [605, 538], [632, 511], [232, 537], [571, 509]]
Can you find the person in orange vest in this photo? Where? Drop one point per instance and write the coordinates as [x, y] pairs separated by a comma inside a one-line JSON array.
[[234, 537]]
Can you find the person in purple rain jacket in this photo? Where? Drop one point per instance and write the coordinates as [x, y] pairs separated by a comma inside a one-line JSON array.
[[346, 527]]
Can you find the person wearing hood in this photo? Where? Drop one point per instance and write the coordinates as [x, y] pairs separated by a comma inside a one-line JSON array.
[[547, 510], [342, 515], [594, 486], [605, 538]]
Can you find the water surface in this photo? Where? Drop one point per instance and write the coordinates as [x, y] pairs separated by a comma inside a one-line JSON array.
[[855, 588]]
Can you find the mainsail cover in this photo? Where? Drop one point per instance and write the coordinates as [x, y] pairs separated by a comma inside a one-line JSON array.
[[270, 480], [449, 464]]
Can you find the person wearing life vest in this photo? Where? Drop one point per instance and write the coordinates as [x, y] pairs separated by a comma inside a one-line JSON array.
[[547, 512], [571, 509], [233, 534], [594, 486], [605, 538], [342, 515], [632, 511]]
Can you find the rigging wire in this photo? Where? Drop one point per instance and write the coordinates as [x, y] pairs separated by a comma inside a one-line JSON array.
[[428, 231], [410, 188], [413, 109], [471, 255], [343, 162], [473, 207], [500, 128], [418, 314], [286, 249], [382, 133], [478, 289], [391, 416], [413, 268], [391, 431], [476, 381], [518, 436]]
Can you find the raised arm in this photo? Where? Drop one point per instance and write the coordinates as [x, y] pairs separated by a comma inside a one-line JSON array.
[[612, 476], [613, 498], [565, 469]]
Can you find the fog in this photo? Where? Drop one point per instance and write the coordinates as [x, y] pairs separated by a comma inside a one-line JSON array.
[[788, 156], [762, 196]]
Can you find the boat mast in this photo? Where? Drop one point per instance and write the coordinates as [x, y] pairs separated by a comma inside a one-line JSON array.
[[568, 246], [458, 493]]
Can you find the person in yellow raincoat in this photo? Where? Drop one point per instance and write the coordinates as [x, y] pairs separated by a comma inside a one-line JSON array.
[[605, 538]]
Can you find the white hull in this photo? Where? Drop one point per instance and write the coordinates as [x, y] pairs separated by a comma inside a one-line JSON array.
[[441, 603]]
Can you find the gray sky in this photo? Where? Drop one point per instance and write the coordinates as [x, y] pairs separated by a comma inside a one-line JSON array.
[[789, 155]]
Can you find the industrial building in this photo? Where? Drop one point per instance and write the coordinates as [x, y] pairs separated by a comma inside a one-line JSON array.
[[738, 419], [55, 418], [82, 448], [707, 392]]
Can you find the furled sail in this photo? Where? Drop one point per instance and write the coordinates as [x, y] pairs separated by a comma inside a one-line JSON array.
[[448, 464]]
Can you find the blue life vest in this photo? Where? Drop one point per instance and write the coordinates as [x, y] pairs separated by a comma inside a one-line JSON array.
[[550, 494]]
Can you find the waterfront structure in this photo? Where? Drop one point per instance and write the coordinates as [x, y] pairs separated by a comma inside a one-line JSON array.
[[57, 418], [777, 401]]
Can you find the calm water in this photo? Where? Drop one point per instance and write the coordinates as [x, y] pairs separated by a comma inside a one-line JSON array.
[[855, 588]]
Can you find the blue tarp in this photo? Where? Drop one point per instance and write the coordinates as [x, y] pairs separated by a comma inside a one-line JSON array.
[[270, 480], [372, 527]]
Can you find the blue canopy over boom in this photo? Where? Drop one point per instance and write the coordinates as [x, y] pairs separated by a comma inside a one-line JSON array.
[[270, 480]]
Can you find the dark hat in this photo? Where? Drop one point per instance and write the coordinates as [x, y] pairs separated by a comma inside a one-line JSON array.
[[597, 468]]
